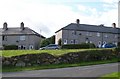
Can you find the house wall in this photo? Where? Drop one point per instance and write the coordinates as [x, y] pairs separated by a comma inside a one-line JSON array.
[[85, 36], [58, 36], [29, 40]]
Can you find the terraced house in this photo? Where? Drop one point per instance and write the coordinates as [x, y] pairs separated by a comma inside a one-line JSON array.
[[23, 37], [76, 33]]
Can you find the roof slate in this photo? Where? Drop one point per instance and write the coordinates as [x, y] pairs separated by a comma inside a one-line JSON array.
[[93, 28], [18, 31]]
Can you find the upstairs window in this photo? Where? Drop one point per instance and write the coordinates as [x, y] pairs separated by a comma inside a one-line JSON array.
[[22, 38], [116, 36], [98, 34], [88, 34], [106, 35], [74, 32]]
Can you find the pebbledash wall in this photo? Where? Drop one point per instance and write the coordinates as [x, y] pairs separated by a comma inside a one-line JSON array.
[[76, 33]]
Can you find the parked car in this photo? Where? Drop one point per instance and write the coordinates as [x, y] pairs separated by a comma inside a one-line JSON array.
[[51, 46], [110, 45]]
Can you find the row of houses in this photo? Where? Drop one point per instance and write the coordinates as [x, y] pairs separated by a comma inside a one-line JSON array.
[[76, 33], [73, 33]]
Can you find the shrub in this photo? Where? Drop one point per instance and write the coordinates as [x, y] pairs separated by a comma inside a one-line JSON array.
[[78, 46], [10, 47]]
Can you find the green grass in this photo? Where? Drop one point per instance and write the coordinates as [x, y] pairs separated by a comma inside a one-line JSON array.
[[10, 53], [14, 69], [114, 75]]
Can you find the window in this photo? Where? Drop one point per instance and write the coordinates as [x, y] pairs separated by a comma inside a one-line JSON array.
[[4, 38], [104, 42], [88, 34], [65, 41], [22, 38], [98, 34], [106, 35], [115, 36], [115, 43], [99, 44], [76, 41], [72, 41], [21, 47], [30, 46], [74, 32], [90, 41]]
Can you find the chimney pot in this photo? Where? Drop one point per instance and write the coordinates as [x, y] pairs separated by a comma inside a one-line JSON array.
[[22, 26], [78, 21], [114, 25], [5, 26]]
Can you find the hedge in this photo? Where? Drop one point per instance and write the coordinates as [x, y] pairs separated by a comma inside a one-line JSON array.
[[78, 46], [10, 47]]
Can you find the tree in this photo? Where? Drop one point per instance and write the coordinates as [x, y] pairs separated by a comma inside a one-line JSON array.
[[60, 42], [47, 41]]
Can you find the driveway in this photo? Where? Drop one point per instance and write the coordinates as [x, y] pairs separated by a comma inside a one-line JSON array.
[[84, 71]]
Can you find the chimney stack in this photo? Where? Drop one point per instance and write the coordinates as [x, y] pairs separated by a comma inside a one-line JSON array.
[[22, 26], [114, 25], [5, 26], [78, 21]]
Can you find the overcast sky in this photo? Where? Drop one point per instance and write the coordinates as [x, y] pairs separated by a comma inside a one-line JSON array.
[[48, 16]]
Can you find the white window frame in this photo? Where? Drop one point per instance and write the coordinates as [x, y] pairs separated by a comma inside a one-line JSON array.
[[24, 47], [22, 38], [31, 47], [91, 42], [106, 36], [87, 33], [72, 41], [99, 44], [74, 32], [98, 34], [104, 42], [65, 41], [116, 36]]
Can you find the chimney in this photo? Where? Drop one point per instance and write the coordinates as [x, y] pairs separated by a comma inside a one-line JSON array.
[[114, 25], [78, 21], [22, 26], [5, 26]]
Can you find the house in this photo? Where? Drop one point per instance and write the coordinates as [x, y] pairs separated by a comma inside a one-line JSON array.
[[76, 33], [23, 37]]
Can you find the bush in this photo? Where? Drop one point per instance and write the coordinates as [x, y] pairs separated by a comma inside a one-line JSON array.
[[78, 46], [10, 47]]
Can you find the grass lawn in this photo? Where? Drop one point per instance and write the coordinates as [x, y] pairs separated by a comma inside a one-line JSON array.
[[9, 53]]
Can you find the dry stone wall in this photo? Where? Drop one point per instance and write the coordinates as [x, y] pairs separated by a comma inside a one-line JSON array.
[[47, 59]]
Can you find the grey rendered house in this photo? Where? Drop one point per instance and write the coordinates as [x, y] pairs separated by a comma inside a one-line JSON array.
[[76, 33], [23, 37]]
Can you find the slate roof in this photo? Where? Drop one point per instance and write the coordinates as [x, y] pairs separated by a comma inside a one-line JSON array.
[[92, 28], [18, 31]]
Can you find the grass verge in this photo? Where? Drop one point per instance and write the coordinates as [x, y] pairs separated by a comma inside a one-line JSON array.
[[114, 75], [15, 69]]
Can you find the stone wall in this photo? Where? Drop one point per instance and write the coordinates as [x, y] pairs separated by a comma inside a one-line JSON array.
[[46, 59]]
